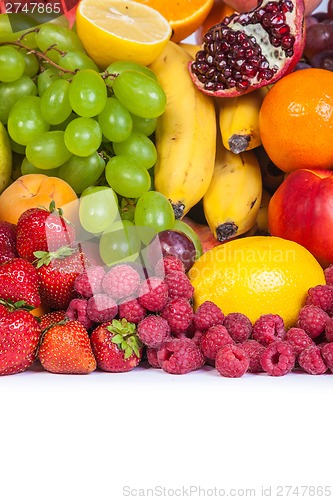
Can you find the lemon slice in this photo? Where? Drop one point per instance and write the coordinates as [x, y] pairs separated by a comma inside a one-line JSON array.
[[115, 30]]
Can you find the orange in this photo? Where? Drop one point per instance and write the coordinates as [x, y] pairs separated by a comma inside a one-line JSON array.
[[113, 30], [256, 275], [296, 120], [219, 11], [33, 190], [184, 16]]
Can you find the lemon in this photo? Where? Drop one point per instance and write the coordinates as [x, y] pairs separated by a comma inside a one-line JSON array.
[[5, 158], [115, 30], [256, 275]]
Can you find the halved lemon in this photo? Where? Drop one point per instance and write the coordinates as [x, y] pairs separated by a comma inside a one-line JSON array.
[[115, 30]]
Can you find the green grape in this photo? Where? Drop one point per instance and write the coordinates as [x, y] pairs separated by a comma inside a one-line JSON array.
[[63, 125], [115, 121], [153, 213], [29, 168], [25, 121], [138, 146], [31, 63], [12, 64], [11, 92], [83, 136], [81, 172], [75, 60], [48, 150], [87, 93], [17, 148], [15, 27], [127, 177], [140, 94], [144, 126], [54, 103], [63, 39], [120, 243], [98, 208], [45, 78], [118, 67]]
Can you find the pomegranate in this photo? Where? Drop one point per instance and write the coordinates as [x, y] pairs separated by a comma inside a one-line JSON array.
[[249, 50]]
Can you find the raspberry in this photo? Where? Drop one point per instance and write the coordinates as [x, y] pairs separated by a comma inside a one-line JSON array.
[[327, 355], [101, 307], [321, 296], [121, 281], [278, 358], [208, 314], [329, 274], [90, 281], [254, 351], [311, 361], [191, 333], [239, 326], [132, 310], [153, 294], [268, 328], [313, 320], [214, 338], [153, 331], [329, 330], [180, 356], [179, 315], [78, 310], [167, 264], [178, 285], [232, 361], [298, 339], [152, 357]]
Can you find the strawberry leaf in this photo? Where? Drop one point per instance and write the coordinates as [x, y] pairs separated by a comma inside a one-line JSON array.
[[128, 352]]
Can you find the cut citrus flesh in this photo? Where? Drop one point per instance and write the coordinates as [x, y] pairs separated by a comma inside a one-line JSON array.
[[115, 30], [184, 16]]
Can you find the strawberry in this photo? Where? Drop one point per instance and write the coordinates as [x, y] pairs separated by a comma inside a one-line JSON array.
[[7, 241], [19, 281], [51, 318], [44, 230], [65, 348], [116, 346], [19, 337], [57, 273]]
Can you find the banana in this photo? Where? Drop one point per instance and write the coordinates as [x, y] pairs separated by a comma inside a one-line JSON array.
[[232, 201], [185, 135], [192, 49], [239, 120]]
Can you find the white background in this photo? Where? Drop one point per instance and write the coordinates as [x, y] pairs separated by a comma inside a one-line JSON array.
[[88, 437]]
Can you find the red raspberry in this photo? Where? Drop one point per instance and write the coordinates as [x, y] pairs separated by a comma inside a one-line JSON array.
[[239, 326], [153, 331], [180, 356], [152, 357], [327, 355], [214, 338], [121, 281], [191, 333], [179, 315], [101, 307], [278, 358], [208, 314], [321, 296], [313, 320], [153, 294], [232, 361], [178, 285], [167, 264], [132, 310], [311, 361], [329, 274], [78, 310], [254, 351], [329, 330], [298, 339], [268, 328], [90, 281]]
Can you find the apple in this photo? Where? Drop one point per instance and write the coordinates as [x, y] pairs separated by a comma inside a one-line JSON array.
[[301, 210]]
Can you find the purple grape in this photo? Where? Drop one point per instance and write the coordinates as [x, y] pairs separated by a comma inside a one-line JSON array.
[[319, 37], [171, 242], [323, 60]]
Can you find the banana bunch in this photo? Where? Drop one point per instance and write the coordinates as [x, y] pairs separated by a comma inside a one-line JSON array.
[[232, 201], [185, 136], [239, 120]]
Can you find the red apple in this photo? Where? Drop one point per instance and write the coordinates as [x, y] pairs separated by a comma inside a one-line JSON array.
[[301, 210]]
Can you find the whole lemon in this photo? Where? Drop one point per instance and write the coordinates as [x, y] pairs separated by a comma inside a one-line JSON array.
[[256, 275]]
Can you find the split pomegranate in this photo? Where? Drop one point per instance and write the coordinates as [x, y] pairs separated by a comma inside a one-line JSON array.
[[249, 50]]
